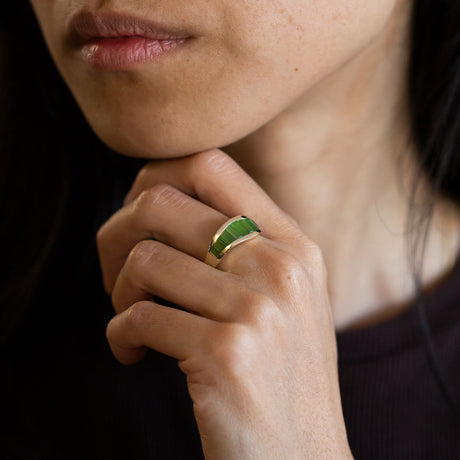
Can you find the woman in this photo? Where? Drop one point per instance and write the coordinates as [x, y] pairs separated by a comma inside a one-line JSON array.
[[295, 114]]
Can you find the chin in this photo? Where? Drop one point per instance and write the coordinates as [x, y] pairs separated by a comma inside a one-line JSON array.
[[163, 138], [154, 149], [153, 143]]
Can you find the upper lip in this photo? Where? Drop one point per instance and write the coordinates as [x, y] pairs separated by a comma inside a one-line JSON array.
[[86, 26]]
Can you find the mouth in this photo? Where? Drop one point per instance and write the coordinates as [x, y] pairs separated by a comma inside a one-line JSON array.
[[113, 41]]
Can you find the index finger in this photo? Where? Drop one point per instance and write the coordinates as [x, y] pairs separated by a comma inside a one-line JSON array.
[[215, 179]]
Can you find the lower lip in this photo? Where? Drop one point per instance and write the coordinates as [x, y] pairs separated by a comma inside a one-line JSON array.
[[124, 53]]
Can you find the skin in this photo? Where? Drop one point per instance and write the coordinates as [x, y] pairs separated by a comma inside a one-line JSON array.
[[252, 77], [306, 99]]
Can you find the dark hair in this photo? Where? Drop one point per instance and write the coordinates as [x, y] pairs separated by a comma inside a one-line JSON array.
[[434, 101], [46, 143]]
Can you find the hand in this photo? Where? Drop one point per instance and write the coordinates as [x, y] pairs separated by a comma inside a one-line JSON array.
[[256, 337]]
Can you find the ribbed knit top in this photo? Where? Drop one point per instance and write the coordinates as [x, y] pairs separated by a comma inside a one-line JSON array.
[[392, 405]]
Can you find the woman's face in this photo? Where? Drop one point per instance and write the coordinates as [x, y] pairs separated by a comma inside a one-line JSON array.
[[246, 62]]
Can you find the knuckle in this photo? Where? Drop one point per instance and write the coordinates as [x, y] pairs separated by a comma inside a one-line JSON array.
[[144, 253], [289, 267], [138, 315], [160, 195], [260, 310], [288, 276], [145, 200], [234, 348], [213, 160]]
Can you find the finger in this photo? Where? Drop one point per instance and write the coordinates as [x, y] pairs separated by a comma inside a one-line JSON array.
[[217, 180], [175, 333], [154, 268], [162, 213]]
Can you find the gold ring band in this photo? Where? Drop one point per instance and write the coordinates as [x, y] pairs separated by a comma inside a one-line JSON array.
[[233, 232]]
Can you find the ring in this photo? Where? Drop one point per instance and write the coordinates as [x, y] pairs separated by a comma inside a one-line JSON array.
[[231, 233]]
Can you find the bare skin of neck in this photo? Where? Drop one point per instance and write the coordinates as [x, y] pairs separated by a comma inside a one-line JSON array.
[[341, 163]]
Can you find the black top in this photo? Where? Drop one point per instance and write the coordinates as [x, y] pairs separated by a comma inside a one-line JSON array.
[[66, 397], [392, 406]]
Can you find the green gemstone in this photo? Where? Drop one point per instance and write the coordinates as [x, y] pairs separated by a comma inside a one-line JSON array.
[[232, 232]]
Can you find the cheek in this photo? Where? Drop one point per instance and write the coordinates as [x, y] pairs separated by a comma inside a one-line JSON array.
[[310, 36]]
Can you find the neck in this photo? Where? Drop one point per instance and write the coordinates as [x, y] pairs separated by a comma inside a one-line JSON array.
[[339, 161]]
